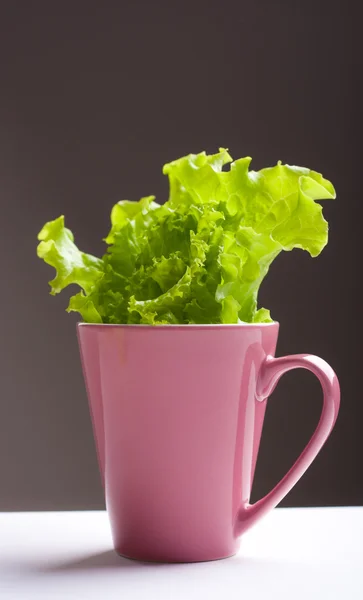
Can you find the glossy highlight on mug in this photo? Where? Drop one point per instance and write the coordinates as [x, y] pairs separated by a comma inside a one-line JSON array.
[[177, 414]]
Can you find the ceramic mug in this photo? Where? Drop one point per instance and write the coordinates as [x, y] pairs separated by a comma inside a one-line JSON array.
[[177, 413]]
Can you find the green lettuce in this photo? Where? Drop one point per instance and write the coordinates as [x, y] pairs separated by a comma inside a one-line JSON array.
[[201, 256]]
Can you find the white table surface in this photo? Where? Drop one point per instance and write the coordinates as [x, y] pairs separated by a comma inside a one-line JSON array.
[[291, 554]]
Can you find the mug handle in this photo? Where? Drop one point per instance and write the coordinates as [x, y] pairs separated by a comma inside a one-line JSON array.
[[270, 372]]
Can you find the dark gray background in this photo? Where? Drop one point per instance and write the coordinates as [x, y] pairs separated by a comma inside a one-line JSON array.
[[95, 97]]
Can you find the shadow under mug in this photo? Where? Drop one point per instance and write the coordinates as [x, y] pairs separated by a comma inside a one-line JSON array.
[[177, 415]]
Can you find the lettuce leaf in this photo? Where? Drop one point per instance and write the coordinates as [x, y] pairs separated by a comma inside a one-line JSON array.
[[200, 257]]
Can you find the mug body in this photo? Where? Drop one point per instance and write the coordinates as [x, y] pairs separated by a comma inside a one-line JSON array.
[[177, 427]]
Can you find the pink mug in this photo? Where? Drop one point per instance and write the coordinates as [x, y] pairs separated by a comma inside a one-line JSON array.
[[177, 413]]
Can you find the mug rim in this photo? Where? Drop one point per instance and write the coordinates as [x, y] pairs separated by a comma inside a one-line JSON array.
[[179, 325]]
